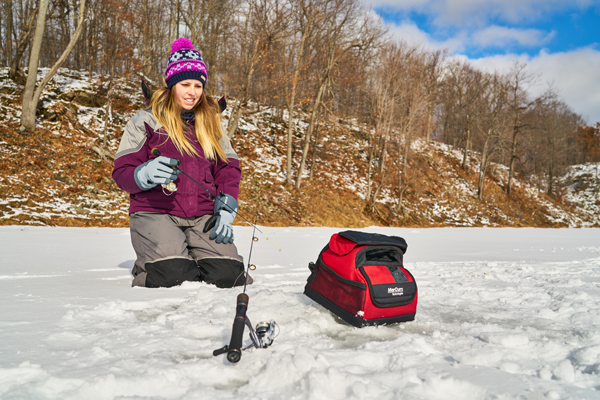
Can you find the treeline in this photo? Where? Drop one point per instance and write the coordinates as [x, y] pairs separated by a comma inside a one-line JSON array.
[[328, 58]]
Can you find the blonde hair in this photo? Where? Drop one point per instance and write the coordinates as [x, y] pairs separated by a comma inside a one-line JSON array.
[[207, 123]]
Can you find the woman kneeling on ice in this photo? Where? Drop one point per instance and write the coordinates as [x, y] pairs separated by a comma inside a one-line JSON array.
[[171, 216]]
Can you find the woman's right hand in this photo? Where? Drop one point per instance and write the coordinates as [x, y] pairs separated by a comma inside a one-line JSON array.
[[161, 170]]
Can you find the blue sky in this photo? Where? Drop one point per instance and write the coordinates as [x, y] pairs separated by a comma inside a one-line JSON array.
[[559, 40]]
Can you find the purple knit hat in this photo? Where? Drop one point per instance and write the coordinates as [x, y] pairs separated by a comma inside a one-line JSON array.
[[185, 63]]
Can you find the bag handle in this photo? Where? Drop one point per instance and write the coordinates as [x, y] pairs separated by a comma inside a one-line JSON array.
[[372, 239]]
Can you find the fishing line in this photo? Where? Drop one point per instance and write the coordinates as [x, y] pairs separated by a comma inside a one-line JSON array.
[[156, 152], [249, 266]]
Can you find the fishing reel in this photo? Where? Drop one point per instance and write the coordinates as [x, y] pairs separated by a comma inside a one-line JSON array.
[[261, 337], [170, 187], [264, 334]]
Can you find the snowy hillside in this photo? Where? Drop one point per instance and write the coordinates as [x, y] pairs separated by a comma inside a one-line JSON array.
[[503, 314], [582, 187], [57, 177]]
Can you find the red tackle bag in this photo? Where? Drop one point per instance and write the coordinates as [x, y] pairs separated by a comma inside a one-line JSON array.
[[360, 278]]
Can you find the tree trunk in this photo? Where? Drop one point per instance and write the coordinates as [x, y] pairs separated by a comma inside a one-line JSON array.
[[370, 167], [77, 49], [386, 138], [550, 179], [402, 171], [30, 101], [252, 60], [64, 25], [382, 154], [314, 153], [107, 112], [108, 109], [174, 28], [28, 109], [9, 30], [236, 116], [513, 150], [429, 127], [378, 189], [467, 143], [483, 167], [91, 51], [311, 126], [146, 53], [290, 133], [15, 72]]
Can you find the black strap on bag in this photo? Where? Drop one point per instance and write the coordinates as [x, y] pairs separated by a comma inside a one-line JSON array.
[[370, 239]]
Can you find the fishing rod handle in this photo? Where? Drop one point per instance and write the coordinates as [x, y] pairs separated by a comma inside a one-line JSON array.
[[234, 353], [156, 152]]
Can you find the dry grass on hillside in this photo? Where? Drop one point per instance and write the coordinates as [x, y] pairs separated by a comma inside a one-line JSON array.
[[57, 180]]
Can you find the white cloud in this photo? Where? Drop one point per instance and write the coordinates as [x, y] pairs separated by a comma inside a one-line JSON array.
[[493, 36], [411, 33], [398, 5], [574, 74], [500, 36], [477, 12]]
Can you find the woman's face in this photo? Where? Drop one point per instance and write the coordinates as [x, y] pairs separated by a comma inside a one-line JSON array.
[[187, 93]]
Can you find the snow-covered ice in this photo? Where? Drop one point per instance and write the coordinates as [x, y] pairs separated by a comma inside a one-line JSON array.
[[504, 313]]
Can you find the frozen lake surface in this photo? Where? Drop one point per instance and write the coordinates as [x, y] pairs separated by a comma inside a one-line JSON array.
[[503, 314]]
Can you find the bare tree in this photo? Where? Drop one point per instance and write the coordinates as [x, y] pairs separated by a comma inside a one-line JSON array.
[[557, 126], [7, 30], [414, 117], [262, 24], [384, 88], [400, 105], [347, 28], [520, 104], [27, 113], [492, 120], [210, 24], [307, 15], [589, 137], [433, 71], [27, 15], [460, 99], [30, 98], [175, 13]]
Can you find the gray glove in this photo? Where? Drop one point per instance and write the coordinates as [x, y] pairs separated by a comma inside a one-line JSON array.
[[224, 213], [157, 171]]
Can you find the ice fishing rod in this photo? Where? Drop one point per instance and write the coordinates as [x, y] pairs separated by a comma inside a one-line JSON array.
[[265, 332], [261, 338], [156, 152]]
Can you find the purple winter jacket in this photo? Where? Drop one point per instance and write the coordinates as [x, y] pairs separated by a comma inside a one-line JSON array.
[[144, 133]]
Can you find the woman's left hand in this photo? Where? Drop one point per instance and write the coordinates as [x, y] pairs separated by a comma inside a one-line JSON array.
[[225, 211], [223, 230]]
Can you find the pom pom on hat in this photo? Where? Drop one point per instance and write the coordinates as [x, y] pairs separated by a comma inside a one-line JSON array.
[[182, 44]]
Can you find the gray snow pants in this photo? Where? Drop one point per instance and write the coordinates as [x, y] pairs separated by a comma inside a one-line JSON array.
[[173, 249]]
